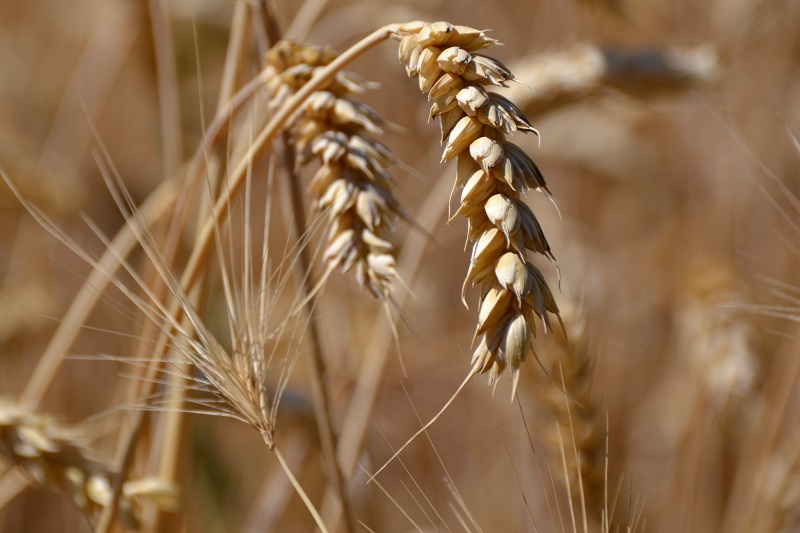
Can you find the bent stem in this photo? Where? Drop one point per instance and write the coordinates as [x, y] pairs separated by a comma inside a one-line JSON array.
[[319, 387], [362, 401]]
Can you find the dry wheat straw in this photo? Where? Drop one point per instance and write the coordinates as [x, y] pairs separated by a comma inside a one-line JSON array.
[[493, 175], [58, 459], [351, 185]]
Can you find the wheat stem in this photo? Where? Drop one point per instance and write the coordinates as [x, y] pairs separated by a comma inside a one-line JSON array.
[[362, 401], [299, 489], [305, 276], [174, 423], [319, 387], [168, 92]]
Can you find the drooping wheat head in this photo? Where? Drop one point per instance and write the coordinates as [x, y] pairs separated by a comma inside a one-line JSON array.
[[494, 175], [352, 186]]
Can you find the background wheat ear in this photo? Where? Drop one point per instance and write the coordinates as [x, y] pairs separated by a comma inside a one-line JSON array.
[[60, 459], [352, 187], [575, 419]]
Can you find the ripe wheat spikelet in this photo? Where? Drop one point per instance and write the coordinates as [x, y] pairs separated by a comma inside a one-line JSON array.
[[352, 186], [493, 175], [57, 459]]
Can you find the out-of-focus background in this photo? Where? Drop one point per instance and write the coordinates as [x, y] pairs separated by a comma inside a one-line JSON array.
[[669, 140]]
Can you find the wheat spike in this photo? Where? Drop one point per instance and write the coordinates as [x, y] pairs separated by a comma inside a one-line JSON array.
[[566, 392], [493, 175], [352, 186], [58, 459], [717, 336], [562, 77]]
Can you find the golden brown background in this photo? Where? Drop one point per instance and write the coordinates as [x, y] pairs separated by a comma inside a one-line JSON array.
[[677, 239]]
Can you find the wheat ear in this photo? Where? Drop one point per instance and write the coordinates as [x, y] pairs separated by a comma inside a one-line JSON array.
[[58, 459], [352, 186], [566, 392], [493, 175]]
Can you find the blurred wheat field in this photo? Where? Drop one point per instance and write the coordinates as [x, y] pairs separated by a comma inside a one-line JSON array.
[[667, 402]]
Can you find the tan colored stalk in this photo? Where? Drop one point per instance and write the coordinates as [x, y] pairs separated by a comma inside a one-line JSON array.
[[305, 18], [58, 459], [173, 423], [493, 175], [283, 56], [168, 90], [367, 384]]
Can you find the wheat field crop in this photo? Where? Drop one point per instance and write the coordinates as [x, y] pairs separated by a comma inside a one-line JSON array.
[[347, 265]]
